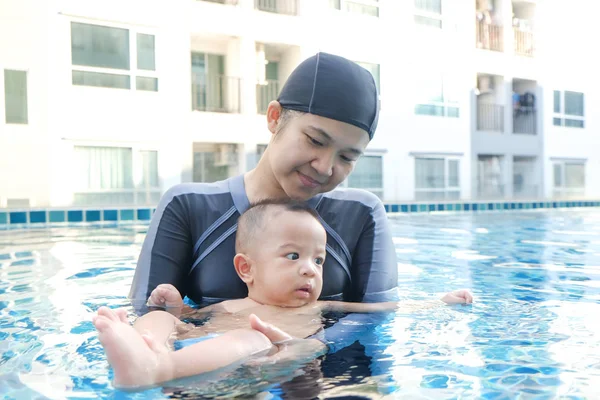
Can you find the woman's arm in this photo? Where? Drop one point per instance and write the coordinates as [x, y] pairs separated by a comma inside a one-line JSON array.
[[166, 254]]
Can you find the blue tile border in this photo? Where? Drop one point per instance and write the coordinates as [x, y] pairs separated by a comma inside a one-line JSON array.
[[19, 219]]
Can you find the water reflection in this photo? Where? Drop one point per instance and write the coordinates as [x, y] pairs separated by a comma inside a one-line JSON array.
[[535, 276]]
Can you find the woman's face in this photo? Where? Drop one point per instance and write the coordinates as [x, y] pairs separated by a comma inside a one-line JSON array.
[[312, 154]]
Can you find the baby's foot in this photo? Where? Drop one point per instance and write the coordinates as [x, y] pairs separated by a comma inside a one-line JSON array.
[[136, 359]]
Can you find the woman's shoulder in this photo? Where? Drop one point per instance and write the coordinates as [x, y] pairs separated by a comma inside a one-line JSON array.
[[351, 197], [198, 188]]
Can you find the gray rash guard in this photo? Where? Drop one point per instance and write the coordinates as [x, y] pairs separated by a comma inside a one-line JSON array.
[[191, 244]]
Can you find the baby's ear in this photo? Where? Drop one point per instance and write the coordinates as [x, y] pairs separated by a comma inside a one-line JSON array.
[[243, 266]]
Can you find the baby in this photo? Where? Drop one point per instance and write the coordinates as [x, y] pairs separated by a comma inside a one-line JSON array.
[[281, 247]]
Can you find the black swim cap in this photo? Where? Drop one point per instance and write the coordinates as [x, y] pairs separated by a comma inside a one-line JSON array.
[[333, 87]]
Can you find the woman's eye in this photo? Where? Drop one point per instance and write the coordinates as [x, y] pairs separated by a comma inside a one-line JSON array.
[[293, 256], [315, 142], [346, 159], [319, 260]]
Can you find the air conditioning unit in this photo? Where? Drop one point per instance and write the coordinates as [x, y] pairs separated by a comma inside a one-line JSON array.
[[485, 84], [226, 155]]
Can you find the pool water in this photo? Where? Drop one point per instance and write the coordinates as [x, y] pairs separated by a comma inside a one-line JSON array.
[[532, 332]]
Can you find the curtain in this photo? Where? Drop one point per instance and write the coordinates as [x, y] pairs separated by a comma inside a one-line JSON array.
[[102, 168]]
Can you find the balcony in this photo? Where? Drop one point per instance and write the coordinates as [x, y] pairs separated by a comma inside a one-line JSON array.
[[216, 94], [288, 7], [490, 117], [524, 120], [489, 36], [523, 42], [266, 92]]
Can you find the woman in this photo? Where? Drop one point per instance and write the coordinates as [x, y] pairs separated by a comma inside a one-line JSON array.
[[324, 118]]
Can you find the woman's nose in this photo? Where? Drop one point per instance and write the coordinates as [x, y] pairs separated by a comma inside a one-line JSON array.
[[323, 164]]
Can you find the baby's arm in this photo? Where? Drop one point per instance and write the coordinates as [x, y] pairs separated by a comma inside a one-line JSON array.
[[456, 297]]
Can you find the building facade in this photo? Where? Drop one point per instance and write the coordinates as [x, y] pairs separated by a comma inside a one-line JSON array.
[[112, 103]]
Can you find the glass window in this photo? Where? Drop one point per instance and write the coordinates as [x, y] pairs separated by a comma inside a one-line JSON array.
[[149, 159], [214, 162], [568, 109], [145, 52], [429, 173], [574, 103], [556, 101], [436, 96], [101, 168], [432, 6], [429, 13], [574, 175], [15, 97], [367, 173], [557, 175], [574, 123], [453, 173], [208, 82], [99, 46], [100, 79], [364, 7], [145, 83]]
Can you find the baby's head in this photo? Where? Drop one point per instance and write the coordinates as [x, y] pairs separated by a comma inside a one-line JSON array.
[[280, 246]]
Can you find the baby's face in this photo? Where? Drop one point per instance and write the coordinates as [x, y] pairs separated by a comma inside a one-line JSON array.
[[289, 260]]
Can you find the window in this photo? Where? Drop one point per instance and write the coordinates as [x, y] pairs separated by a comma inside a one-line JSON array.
[[364, 7], [211, 89], [568, 109], [115, 175], [490, 176], [374, 70], [428, 13], [437, 178], [215, 161], [436, 96], [101, 57], [15, 97], [267, 89], [368, 175], [569, 178]]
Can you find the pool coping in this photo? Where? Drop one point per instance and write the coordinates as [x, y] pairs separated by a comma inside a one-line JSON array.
[[35, 218]]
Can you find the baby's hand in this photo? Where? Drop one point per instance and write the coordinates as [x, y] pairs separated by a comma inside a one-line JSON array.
[[462, 296], [165, 295]]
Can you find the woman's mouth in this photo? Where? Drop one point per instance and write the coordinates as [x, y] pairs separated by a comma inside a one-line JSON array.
[[308, 181]]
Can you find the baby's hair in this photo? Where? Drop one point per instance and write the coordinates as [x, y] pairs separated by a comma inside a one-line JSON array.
[[253, 220]]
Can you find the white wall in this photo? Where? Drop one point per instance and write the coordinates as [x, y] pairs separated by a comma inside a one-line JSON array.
[[62, 115], [24, 156]]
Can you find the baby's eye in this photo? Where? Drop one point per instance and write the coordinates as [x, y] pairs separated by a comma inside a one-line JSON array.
[[293, 256], [319, 260]]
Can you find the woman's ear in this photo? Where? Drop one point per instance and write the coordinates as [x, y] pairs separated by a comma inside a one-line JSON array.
[[243, 266], [273, 114]]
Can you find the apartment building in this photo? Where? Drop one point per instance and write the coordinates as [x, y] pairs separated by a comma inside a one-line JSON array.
[[111, 103]]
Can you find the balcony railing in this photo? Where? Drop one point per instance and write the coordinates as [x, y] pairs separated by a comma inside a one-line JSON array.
[[523, 42], [524, 120], [489, 36], [228, 2], [289, 7], [265, 93], [490, 117], [216, 94]]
